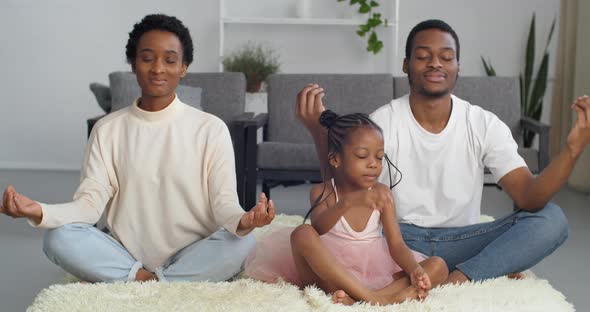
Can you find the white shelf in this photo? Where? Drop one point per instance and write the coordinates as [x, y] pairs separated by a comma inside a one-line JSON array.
[[295, 21], [226, 21]]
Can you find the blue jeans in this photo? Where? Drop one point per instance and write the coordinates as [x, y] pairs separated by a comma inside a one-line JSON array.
[[511, 244], [92, 255]]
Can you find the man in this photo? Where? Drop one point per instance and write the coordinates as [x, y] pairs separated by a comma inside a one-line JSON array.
[[442, 144]]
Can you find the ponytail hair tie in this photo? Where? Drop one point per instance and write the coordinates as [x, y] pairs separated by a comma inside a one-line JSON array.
[[328, 118]]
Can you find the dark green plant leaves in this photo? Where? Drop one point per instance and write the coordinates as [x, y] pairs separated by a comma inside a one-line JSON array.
[[254, 60], [529, 61], [489, 68], [532, 88], [374, 20]]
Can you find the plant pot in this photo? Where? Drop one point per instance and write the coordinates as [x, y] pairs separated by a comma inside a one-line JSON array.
[[253, 85]]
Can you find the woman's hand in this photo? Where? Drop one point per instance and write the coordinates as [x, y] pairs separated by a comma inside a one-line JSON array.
[[19, 206], [421, 281], [262, 214]]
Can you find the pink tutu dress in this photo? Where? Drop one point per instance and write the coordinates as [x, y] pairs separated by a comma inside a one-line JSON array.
[[364, 254]]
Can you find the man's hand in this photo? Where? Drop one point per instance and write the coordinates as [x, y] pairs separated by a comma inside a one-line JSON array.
[[579, 136], [19, 206], [262, 214], [309, 106]]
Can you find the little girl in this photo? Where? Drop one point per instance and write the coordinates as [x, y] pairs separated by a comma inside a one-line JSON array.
[[343, 251]]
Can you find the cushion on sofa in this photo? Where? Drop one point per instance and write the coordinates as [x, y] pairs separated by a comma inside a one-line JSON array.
[[345, 93], [290, 156], [102, 93]]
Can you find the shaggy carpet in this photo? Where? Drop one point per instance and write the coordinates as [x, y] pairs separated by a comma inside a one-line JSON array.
[[501, 294]]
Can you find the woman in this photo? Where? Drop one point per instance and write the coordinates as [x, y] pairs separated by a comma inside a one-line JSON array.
[[163, 170]]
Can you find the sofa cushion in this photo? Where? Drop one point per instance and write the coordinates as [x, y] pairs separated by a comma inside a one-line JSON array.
[[102, 93], [345, 93], [282, 155], [224, 94], [124, 90]]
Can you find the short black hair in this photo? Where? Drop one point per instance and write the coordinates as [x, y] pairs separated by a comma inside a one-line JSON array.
[[164, 23], [430, 24]]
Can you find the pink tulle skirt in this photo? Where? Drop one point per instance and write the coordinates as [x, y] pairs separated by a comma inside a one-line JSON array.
[[367, 260]]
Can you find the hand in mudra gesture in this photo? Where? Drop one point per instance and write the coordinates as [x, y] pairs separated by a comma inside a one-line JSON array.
[[260, 215], [377, 197], [579, 136], [19, 206]]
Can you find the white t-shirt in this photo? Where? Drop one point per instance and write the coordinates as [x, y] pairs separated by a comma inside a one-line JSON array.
[[166, 179], [443, 173]]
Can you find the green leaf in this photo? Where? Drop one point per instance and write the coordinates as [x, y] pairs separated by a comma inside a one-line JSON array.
[[364, 28], [378, 46], [550, 34], [373, 37], [373, 22], [360, 33], [374, 4], [490, 71], [539, 87], [364, 9], [353, 2], [529, 61]]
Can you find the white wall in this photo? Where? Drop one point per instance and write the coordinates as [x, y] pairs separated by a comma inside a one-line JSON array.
[[52, 50]]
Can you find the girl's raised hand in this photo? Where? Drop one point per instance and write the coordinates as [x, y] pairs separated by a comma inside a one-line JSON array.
[[421, 281], [379, 197], [309, 105], [376, 197], [262, 214]]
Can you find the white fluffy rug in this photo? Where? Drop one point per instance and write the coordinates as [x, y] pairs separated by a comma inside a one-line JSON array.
[[501, 294]]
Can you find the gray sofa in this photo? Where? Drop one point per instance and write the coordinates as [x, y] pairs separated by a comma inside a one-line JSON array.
[[287, 155], [221, 94]]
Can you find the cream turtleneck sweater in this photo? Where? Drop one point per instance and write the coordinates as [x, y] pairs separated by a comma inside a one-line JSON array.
[[166, 179]]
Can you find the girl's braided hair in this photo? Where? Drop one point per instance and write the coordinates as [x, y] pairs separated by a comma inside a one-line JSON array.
[[339, 128]]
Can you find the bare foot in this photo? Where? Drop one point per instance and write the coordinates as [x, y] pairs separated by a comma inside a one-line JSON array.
[[143, 276], [408, 293], [342, 297], [517, 275]]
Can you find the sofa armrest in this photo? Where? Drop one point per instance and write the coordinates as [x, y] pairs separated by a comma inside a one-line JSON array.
[[542, 130], [237, 131], [258, 121], [251, 127], [90, 123]]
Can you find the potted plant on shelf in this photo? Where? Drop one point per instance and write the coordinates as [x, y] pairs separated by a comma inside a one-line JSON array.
[[256, 61]]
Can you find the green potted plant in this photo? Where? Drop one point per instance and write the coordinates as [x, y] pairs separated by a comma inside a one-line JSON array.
[[532, 87], [256, 61]]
